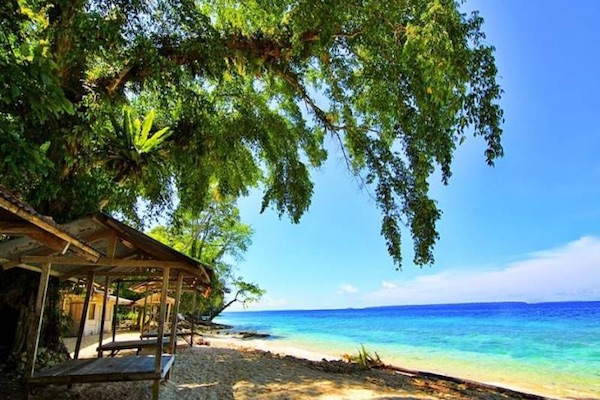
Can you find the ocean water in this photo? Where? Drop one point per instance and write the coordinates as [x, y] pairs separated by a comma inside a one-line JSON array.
[[551, 349]]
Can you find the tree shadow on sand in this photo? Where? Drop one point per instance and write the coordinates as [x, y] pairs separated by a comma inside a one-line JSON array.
[[210, 373]]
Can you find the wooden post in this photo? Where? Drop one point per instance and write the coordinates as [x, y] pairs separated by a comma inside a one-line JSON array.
[[114, 321], [175, 311], [104, 302], [144, 312], [169, 308], [193, 314], [86, 303], [110, 253], [161, 330], [34, 334]]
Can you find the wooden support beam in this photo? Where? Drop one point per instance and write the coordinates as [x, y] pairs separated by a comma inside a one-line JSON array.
[[36, 327], [86, 303], [160, 333], [113, 262], [144, 311], [79, 272], [175, 312], [193, 317], [117, 274], [10, 264], [51, 241], [110, 252], [17, 263], [115, 309], [18, 228], [97, 236], [104, 303]]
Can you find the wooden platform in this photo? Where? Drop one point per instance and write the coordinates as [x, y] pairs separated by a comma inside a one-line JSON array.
[[115, 347], [130, 368], [187, 336], [146, 335]]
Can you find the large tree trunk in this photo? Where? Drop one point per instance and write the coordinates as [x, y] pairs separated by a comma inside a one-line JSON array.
[[18, 291]]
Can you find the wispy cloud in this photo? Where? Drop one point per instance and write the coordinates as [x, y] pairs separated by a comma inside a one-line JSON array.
[[388, 285], [266, 303], [347, 289], [570, 272]]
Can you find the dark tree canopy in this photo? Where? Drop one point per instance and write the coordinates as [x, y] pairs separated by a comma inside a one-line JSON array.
[[249, 91]]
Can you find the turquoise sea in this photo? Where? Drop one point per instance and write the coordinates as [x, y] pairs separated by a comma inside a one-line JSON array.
[[551, 349]]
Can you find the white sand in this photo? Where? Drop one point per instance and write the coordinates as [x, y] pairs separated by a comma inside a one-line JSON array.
[[230, 369]]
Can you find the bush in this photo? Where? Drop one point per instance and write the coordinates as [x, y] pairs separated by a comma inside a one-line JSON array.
[[364, 358]]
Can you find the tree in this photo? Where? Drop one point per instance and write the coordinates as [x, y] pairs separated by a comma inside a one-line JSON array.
[[249, 90], [217, 237]]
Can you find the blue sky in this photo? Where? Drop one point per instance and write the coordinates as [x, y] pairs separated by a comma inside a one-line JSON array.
[[525, 230]]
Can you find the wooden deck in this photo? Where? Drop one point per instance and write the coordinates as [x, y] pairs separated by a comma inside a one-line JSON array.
[[115, 347], [130, 368]]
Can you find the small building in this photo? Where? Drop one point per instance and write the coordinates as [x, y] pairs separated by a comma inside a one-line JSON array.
[[73, 306], [149, 307]]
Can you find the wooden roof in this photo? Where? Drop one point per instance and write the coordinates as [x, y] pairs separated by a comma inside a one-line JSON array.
[[96, 243], [18, 218]]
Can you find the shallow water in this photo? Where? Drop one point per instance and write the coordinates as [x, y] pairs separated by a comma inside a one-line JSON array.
[[547, 348]]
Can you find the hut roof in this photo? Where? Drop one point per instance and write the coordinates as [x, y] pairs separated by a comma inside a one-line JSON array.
[[18, 218], [122, 251]]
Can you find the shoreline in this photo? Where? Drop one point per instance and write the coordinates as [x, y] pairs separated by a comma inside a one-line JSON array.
[[269, 369], [303, 350]]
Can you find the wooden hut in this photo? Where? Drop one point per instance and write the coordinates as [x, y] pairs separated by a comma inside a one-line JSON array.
[[97, 249], [72, 305]]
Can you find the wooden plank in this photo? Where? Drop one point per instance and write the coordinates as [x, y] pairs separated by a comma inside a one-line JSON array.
[[34, 334], [86, 303], [152, 335], [64, 368], [130, 344], [175, 312], [131, 368]]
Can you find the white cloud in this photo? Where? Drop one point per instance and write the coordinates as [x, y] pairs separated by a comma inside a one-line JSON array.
[[570, 272], [347, 288], [388, 285], [266, 303]]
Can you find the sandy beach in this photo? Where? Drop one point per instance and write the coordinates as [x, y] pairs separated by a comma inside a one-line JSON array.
[[229, 368]]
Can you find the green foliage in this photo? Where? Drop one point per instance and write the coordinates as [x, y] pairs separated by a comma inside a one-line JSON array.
[[364, 358], [132, 149], [216, 236], [250, 91]]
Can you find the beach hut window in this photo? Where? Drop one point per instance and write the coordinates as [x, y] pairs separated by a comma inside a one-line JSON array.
[[92, 311]]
